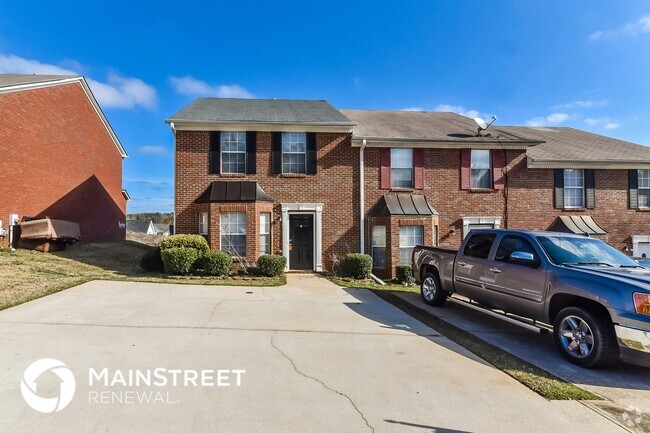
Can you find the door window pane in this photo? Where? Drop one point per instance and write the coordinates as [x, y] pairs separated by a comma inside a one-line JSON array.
[[378, 246], [479, 245], [265, 233], [401, 168], [294, 152], [574, 195], [481, 169], [409, 237], [233, 152], [233, 233]]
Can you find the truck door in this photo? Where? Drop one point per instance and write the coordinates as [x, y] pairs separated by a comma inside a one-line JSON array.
[[517, 285], [472, 265]]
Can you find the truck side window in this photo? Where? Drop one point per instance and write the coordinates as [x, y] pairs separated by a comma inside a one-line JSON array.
[[479, 245], [510, 244]]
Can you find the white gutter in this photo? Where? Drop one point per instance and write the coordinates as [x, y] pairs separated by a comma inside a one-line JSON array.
[[362, 218], [173, 128]]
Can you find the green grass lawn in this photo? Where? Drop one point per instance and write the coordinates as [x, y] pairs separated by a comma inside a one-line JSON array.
[[27, 275]]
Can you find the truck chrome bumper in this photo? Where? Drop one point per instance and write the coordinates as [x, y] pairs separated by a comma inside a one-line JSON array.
[[632, 338]]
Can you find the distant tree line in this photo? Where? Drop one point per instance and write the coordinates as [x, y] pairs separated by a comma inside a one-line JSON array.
[[156, 217]]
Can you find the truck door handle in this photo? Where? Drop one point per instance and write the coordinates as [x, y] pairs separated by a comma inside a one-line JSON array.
[[496, 270], [462, 264]]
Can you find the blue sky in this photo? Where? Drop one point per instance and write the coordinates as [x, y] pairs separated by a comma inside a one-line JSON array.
[[582, 63]]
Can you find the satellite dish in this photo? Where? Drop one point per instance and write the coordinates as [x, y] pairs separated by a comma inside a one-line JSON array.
[[482, 126]]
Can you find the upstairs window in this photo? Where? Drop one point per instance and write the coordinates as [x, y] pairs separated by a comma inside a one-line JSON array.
[[233, 152], [481, 170], [401, 168], [574, 188], [294, 152], [233, 233], [644, 188]]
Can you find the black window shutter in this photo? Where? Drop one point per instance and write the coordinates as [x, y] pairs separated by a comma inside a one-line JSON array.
[[590, 189], [276, 153], [633, 185], [215, 152], [559, 188], [251, 152], [312, 154]]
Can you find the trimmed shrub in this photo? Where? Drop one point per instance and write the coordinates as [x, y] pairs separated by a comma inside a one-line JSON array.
[[217, 263], [403, 275], [196, 242], [151, 261], [357, 266], [271, 266], [179, 260]]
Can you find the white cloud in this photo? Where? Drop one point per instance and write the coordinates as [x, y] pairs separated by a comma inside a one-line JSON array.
[[412, 109], [192, 87], [154, 150], [634, 28], [580, 104], [458, 109], [551, 119], [116, 92], [604, 122]]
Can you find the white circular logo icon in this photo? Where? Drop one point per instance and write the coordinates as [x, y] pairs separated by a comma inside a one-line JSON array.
[[47, 404]]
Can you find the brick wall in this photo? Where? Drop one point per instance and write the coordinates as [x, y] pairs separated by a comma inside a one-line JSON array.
[[59, 161], [333, 185]]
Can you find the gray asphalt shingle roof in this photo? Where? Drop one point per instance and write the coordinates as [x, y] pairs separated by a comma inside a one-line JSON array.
[[422, 125], [568, 144], [289, 111], [7, 80]]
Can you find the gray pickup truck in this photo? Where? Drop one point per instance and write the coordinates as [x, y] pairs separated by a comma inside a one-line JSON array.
[[596, 298]]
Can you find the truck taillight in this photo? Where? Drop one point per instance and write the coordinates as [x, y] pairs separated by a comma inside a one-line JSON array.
[[642, 303]]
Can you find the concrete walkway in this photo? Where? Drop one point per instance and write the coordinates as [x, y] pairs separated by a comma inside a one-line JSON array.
[[317, 359]]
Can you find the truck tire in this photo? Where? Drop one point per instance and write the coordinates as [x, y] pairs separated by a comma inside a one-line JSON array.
[[431, 291], [585, 337]]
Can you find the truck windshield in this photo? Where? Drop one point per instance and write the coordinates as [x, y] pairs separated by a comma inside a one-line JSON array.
[[584, 251]]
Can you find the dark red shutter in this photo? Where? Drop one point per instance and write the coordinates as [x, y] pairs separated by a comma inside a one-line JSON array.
[[418, 168], [465, 175], [384, 160], [498, 163]]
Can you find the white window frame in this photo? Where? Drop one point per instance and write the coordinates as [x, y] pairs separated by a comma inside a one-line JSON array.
[[227, 231], [240, 138], [408, 246], [643, 187], [289, 136], [203, 223], [265, 232], [474, 223], [478, 166], [393, 157], [378, 241], [581, 188]]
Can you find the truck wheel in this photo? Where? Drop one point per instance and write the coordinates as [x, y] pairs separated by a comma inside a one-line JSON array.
[[585, 337], [432, 293]]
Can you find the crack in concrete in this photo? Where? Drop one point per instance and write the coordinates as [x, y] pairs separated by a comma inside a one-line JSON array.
[[212, 313], [323, 384]]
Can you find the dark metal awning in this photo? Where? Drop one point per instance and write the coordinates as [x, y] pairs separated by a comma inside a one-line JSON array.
[[578, 224], [402, 204], [224, 191]]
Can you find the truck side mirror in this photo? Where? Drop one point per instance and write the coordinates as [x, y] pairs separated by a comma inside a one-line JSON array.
[[523, 258]]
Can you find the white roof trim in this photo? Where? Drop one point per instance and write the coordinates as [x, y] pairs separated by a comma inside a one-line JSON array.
[[87, 91], [610, 165], [442, 144], [180, 125]]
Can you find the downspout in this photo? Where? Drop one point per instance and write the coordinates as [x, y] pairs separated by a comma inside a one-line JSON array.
[[362, 210], [173, 128]]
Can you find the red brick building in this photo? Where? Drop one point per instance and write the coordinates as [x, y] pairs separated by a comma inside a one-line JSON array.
[[300, 178], [61, 157]]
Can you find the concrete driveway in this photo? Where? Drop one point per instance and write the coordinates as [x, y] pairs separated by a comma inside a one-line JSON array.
[[317, 358]]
